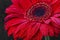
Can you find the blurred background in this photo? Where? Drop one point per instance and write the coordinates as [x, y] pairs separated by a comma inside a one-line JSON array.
[[3, 5], [3, 34]]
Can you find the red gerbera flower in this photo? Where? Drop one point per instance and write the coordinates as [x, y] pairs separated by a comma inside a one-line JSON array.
[[32, 19]]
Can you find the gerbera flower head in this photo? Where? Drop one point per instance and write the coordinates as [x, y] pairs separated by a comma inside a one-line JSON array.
[[32, 19]]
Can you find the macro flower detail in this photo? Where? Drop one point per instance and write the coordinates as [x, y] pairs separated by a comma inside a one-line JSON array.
[[33, 19], [39, 12]]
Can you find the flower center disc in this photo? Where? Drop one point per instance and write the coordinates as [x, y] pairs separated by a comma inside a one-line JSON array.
[[39, 12]]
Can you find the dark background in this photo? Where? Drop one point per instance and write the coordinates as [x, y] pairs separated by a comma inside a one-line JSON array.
[[3, 34], [3, 5]]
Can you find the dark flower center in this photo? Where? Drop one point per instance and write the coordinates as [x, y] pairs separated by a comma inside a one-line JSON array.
[[40, 11]]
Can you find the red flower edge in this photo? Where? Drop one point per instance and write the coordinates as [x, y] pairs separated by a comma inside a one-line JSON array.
[[16, 21]]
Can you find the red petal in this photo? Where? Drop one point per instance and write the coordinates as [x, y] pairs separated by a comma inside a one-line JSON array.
[[15, 9], [32, 30], [56, 20], [56, 31], [20, 27], [55, 6], [11, 16], [54, 1], [25, 30], [51, 30], [47, 21], [56, 23], [37, 36], [34, 1], [25, 4], [46, 1], [57, 15], [22, 32], [57, 10], [11, 30], [12, 22], [44, 29]]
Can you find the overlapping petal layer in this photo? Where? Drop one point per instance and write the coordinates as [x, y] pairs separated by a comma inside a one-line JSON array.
[[20, 27]]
